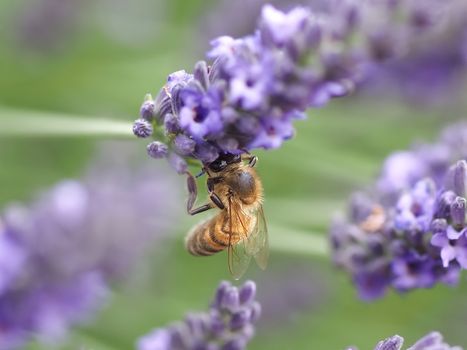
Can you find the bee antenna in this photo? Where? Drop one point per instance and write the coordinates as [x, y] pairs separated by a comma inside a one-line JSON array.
[[201, 173]]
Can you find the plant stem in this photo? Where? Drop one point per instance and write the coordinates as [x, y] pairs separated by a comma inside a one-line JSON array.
[[292, 240], [21, 123]]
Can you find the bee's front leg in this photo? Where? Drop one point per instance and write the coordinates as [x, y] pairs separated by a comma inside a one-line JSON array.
[[192, 195], [251, 159]]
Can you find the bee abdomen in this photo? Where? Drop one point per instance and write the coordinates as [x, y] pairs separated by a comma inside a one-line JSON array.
[[204, 240]]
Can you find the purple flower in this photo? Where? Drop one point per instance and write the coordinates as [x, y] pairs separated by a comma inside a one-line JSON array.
[[400, 170], [142, 128], [229, 323], [282, 28], [392, 343], [431, 71], [306, 289], [184, 145], [178, 78], [233, 18], [147, 108], [257, 85], [178, 163], [13, 258], [200, 114], [273, 133], [47, 25], [248, 87], [411, 231], [60, 253], [431, 341], [157, 149]]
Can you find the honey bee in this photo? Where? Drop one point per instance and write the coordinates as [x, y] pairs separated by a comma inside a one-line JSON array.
[[240, 227]]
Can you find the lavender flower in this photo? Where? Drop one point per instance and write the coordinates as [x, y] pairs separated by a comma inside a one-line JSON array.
[[142, 128], [60, 253], [305, 292], [431, 341], [434, 69], [258, 85], [157, 149], [410, 231], [234, 18], [229, 323]]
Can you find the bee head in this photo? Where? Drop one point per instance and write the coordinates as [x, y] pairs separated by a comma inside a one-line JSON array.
[[223, 161]]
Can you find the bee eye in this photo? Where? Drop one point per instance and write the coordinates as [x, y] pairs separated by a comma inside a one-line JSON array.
[[218, 165]]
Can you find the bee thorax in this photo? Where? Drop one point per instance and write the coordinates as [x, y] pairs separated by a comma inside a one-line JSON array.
[[244, 184]]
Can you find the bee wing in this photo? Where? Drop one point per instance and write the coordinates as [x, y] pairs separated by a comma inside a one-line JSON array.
[[238, 257], [257, 243]]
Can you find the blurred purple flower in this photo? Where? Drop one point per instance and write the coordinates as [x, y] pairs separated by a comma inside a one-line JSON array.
[[46, 25], [410, 231], [234, 18], [60, 253], [431, 341], [259, 84], [300, 291], [433, 71], [228, 325]]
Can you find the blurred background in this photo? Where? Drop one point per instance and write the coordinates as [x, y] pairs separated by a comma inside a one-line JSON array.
[[94, 59]]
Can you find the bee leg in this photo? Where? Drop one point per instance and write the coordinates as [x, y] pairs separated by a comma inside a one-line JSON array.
[[250, 158], [212, 181], [192, 192], [216, 200], [214, 197], [192, 195], [200, 209], [252, 161]]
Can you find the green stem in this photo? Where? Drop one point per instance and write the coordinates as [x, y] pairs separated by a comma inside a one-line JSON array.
[[296, 241], [303, 212], [17, 123]]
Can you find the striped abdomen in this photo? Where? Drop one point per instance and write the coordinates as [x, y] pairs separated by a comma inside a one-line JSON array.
[[210, 236]]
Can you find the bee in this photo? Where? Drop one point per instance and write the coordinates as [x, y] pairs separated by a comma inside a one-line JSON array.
[[239, 226]]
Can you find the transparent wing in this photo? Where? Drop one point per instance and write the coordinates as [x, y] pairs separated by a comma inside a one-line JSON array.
[[238, 259], [238, 226], [257, 243]]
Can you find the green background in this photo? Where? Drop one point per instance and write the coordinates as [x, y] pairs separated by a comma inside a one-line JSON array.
[[337, 149]]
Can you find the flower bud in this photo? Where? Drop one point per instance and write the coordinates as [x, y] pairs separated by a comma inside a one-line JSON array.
[[458, 212], [393, 343], [142, 128], [247, 292], [230, 300], [147, 108], [201, 74], [157, 150]]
